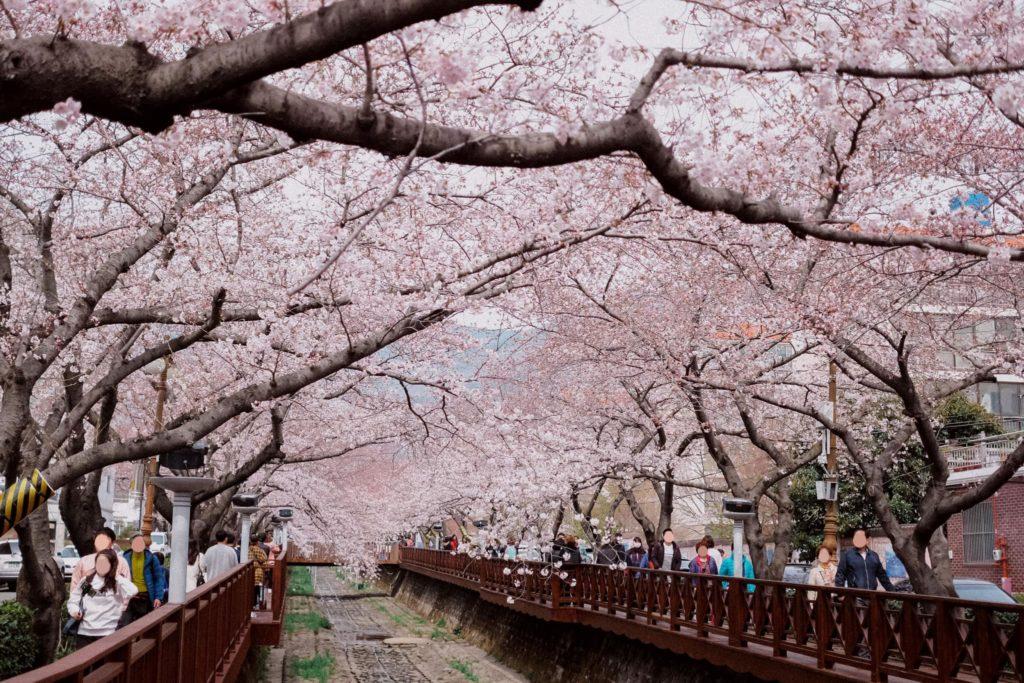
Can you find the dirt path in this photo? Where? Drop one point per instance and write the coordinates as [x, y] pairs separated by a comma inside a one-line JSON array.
[[347, 634]]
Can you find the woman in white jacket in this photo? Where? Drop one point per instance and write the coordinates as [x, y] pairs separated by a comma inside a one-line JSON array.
[[98, 600], [823, 573]]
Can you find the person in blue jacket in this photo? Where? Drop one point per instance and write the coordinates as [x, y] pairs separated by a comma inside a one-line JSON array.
[[725, 569], [147, 574]]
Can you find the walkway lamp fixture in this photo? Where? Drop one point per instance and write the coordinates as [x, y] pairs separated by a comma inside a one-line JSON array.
[[738, 510], [181, 489], [245, 505]]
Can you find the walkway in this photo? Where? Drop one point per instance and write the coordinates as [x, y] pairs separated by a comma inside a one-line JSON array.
[[774, 630], [372, 639]]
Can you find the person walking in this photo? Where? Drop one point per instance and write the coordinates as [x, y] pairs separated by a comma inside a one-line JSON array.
[[85, 566], [636, 553], [148, 576], [220, 557], [823, 573], [235, 547], [665, 555], [97, 602], [703, 563], [860, 567], [713, 552], [195, 573], [725, 569], [607, 555], [161, 560], [259, 562], [570, 552]]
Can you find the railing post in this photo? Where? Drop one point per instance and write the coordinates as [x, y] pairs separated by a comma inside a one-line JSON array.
[[737, 618], [779, 619], [822, 627], [556, 591], [673, 602], [630, 595], [877, 640]]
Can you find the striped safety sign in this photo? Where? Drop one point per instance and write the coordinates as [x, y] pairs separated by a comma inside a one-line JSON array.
[[21, 498]]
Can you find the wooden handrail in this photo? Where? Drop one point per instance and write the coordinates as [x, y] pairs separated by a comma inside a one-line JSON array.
[[846, 632], [200, 640]]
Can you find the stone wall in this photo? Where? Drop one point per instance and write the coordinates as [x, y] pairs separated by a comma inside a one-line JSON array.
[[549, 651]]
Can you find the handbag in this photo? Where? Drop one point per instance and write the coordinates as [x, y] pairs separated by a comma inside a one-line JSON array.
[[71, 625]]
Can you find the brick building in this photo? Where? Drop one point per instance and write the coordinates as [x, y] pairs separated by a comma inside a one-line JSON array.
[[976, 532]]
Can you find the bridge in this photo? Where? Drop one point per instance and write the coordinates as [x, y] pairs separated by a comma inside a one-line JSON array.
[[770, 629], [204, 640]]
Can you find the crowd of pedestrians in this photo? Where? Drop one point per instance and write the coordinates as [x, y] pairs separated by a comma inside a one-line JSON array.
[[857, 567], [110, 588]]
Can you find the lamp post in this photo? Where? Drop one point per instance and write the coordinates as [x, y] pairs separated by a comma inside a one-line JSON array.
[[831, 531], [737, 509], [245, 505], [285, 515], [181, 489], [150, 467]]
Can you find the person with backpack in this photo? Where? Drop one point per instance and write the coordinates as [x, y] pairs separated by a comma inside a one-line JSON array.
[[148, 576], [195, 573], [97, 602]]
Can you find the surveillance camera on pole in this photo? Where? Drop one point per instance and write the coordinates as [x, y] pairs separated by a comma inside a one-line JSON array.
[[737, 509]]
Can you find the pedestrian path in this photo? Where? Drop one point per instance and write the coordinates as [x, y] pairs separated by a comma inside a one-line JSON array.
[[343, 632]]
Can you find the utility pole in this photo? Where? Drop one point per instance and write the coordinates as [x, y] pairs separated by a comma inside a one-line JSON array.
[[152, 465], [831, 540]]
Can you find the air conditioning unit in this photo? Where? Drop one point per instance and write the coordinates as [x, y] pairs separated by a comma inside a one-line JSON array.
[[997, 555]]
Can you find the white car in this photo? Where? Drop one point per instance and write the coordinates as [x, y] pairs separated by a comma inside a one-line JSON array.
[[160, 543], [10, 563], [67, 557]]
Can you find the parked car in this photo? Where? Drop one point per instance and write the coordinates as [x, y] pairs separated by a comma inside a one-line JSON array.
[[67, 557], [982, 591], [10, 563], [160, 543]]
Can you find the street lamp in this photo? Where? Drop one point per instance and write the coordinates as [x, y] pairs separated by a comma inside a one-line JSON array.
[[285, 515], [737, 509], [186, 463], [245, 505]]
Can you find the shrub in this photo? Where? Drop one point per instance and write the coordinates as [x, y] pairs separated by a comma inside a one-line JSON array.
[[17, 642]]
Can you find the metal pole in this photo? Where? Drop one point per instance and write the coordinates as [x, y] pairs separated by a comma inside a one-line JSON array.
[[246, 526], [180, 519], [831, 540], [737, 548], [152, 464]]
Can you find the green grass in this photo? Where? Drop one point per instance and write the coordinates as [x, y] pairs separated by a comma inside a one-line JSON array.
[[305, 621], [316, 668], [300, 581], [465, 669]]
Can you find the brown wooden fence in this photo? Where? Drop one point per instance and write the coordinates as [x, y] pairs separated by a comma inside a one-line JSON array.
[[204, 640], [775, 630]]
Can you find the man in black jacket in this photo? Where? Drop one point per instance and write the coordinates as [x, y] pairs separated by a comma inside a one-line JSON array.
[[666, 555], [860, 567]]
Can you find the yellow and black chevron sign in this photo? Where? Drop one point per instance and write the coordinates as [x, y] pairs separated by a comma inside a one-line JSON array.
[[21, 498]]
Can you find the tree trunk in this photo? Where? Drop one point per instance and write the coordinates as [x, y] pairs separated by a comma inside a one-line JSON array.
[[80, 510], [942, 568], [41, 582], [667, 507]]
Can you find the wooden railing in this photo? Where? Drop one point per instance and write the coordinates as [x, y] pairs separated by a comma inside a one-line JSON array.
[[204, 639], [756, 624]]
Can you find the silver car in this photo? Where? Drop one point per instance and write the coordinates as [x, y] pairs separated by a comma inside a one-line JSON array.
[[10, 563]]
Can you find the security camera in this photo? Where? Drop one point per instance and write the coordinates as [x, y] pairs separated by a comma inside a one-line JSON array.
[[245, 500]]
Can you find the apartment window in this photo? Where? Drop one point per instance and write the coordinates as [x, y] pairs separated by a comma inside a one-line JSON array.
[[979, 533]]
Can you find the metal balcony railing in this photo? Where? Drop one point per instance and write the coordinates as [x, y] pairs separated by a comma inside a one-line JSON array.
[[987, 452]]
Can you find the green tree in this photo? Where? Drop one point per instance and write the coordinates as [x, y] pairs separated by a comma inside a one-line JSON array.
[[904, 483]]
